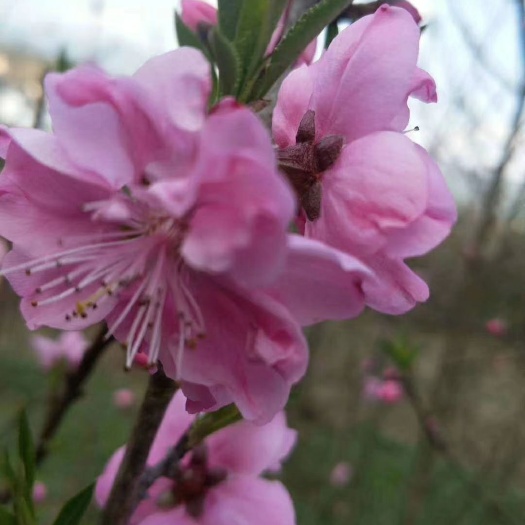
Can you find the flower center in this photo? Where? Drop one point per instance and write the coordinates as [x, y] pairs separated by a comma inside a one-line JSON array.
[[130, 263], [305, 162], [192, 483]]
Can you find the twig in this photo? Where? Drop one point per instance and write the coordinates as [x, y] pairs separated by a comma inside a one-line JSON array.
[[166, 468], [126, 489], [72, 391], [440, 445]]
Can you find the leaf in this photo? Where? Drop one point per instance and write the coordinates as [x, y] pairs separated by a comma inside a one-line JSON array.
[[297, 39], [331, 32], [401, 352], [186, 37], [229, 11], [212, 422], [6, 518], [257, 22], [227, 60], [26, 450], [8, 471], [73, 511]]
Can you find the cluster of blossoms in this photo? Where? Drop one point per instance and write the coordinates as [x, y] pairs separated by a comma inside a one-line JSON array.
[[168, 215]]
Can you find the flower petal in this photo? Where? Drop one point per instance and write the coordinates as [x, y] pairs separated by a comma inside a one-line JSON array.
[[245, 448], [363, 80]]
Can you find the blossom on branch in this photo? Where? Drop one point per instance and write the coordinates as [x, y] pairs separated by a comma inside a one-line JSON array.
[[365, 188], [217, 483]]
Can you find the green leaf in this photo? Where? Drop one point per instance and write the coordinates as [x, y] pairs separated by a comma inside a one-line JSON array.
[[331, 32], [186, 37], [212, 422], [8, 471], [227, 60], [257, 22], [6, 518], [73, 511], [229, 11], [295, 41], [401, 352], [26, 450]]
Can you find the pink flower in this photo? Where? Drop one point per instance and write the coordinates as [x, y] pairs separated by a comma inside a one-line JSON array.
[[69, 348], [219, 483], [195, 12], [39, 492], [497, 327], [341, 474], [165, 220], [371, 388], [365, 187], [124, 398], [390, 392]]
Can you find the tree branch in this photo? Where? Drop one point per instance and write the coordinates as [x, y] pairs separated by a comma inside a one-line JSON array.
[[126, 489]]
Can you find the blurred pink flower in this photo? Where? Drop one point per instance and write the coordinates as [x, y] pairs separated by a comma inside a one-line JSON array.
[[195, 12], [219, 483], [124, 398], [341, 474], [39, 492], [387, 391], [390, 392], [68, 348], [371, 388], [365, 187], [497, 327]]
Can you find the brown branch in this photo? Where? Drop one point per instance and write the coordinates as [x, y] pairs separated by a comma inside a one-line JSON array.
[[126, 489], [166, 468], [73, 389]]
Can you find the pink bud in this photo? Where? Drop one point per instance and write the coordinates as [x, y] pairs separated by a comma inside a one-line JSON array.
[[411, 9], [390, 392], [123, 398], [496, 327], [341, 474], [195, 12], [39, 492], [141, 360]]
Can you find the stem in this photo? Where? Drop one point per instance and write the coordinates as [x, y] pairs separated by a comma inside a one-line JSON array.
[[72, 391], [126, 489]]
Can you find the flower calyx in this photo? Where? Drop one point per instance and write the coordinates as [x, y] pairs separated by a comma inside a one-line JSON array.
[[305, 162], [192, 482]]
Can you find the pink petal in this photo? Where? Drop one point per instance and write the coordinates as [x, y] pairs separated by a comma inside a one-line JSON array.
[[394, 287], [378, 186], [245, 448], [181, 81], [92, 135], [431, 228], [363, 80], [252, 353], [241, 230], [320, 283], [246, 500], [292, 103], [195, 12]]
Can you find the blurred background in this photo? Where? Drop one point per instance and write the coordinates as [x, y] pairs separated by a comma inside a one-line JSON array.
[[406, 420]]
